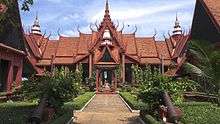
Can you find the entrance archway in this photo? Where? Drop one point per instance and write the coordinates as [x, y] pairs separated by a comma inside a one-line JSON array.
[[106, 79]]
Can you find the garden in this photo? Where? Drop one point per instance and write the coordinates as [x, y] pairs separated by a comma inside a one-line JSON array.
[[192, 98], [51, 98]]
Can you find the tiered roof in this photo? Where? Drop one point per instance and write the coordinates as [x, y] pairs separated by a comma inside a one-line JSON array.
[[70, 50]]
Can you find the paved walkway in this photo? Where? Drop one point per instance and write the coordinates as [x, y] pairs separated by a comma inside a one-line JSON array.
[[106, 109]]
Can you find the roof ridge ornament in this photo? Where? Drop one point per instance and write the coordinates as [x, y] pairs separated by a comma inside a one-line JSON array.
[[177, 28], [35, 29]]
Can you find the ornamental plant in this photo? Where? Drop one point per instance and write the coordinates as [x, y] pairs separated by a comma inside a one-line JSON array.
[[58, 87], [152, 84]]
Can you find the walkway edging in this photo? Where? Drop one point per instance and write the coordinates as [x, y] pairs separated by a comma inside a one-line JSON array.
[[133, 111], [86, 104]]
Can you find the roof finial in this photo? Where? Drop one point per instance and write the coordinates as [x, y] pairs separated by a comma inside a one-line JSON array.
[[107, 16], [36, 27], [177, 28], [106, 6]]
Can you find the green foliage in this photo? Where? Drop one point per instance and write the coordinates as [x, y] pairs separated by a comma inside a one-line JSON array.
[[200, 113], [132, 101], [26, 4], [68, 107], [79, 101], [15, 112], [204, 65], [58, 87], [152, 84], [150, 120]]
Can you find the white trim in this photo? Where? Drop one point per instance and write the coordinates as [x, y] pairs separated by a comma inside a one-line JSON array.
[[86, 104], [133, 111]]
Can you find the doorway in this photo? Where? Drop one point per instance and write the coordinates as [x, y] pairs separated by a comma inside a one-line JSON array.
[[3, 74]]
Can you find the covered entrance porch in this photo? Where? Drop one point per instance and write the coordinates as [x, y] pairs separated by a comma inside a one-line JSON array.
[[106, 79]]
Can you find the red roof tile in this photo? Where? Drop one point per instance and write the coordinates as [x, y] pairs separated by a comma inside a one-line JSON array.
[[67, 46], [163, 49], [146, 47], [84, 42], [50, 49], [130, 44], [214, 7]]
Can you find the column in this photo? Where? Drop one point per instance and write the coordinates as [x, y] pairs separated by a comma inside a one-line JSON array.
[[97, 80], [123, 68], [10, 77], [115, 79], [90, 65], [18, 79]]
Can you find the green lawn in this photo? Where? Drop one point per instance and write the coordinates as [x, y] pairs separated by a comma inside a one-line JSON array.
[[200, 113]]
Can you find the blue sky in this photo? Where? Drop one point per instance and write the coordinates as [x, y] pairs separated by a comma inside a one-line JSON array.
[[147, 15]]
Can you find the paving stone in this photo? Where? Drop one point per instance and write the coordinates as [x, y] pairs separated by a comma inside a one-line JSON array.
[[106, 109]]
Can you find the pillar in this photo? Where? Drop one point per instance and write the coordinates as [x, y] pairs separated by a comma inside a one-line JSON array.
[[90, 65], [18, 79], [97, 80], [115, 79], [123, 68], [10, 77]]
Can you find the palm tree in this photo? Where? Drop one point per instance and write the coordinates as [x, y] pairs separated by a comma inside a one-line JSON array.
[[203, 65]]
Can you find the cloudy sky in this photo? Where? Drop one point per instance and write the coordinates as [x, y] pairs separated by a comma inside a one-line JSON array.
[[147, 15]]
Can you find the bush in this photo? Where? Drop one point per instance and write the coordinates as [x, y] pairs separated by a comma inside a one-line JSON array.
[[15, 112], [79, 101], [68, 108], [200, 113], [133, 101], [152, 84], [57, 87]]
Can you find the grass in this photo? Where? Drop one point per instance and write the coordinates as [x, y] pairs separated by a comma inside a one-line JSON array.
[[15, 112], [77, 104], [132, 101], [200, 113]]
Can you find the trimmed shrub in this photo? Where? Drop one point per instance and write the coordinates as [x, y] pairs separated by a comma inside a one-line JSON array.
[[15, 112], [133, 101], [79, 101], [68, 107]]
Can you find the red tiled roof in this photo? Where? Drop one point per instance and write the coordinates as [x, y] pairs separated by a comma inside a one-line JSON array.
[[180, 46], [32, 42], [146, 47], [67, 46], [214, 8], [63, 60], [130, 44], [163, 49], [50, 49], [84, 42]]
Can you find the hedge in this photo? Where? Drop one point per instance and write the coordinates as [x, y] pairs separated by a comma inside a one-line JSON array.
[[15, 112], [133, 101], [77, 104], [200, 113]]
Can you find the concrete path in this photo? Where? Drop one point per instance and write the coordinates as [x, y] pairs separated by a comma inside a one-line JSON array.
[[106, 109]]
